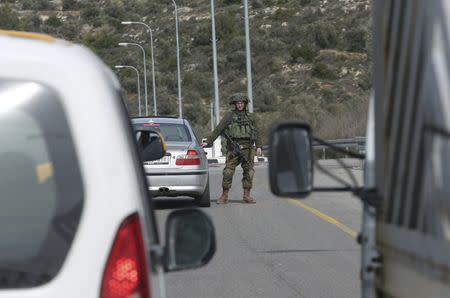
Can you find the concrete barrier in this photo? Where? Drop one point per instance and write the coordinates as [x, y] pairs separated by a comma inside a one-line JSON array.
[[222, 159]]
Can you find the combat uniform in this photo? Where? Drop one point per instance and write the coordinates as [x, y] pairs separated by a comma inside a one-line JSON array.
[[241, 127]]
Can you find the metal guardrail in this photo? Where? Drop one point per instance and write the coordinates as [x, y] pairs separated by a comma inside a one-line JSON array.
[[356, 143]]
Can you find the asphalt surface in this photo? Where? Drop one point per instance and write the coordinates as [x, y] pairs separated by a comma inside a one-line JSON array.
[[277, 247]]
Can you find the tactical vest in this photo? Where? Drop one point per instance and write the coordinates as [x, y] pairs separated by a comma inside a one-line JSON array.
[[242, 126]]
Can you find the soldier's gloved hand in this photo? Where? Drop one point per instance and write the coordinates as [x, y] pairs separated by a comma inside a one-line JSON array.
[[258, 151]]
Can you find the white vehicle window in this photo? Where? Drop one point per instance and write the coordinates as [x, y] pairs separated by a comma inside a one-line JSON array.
[[40, 185]]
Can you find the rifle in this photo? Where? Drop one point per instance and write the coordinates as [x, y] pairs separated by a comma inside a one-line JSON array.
[[235, 148]]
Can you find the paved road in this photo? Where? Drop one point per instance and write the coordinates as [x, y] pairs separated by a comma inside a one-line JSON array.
[[278, 247]]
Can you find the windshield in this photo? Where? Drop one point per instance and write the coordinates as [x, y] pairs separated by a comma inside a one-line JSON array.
[[170, 131]]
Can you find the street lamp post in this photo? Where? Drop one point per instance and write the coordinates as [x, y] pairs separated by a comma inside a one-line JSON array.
[[180, 108], [155, 109], [214, 48], [216, 112], [126, 44], [248, 58], [138, 83]]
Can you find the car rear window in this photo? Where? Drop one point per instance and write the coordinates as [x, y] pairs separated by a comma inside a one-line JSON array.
[[171, 132], [40, 185]]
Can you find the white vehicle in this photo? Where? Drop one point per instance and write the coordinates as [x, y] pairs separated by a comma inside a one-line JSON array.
[[405, 233], [75, 220]]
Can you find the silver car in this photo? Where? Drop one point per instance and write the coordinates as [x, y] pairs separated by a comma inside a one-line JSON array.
[[184, 169]]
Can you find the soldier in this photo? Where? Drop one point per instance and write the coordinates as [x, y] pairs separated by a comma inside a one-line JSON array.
[[240, 125]]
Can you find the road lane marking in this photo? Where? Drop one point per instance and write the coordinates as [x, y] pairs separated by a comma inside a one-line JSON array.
[[325, 217]]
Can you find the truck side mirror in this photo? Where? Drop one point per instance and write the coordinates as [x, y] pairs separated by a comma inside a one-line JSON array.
[[190, 240], [290, 160]]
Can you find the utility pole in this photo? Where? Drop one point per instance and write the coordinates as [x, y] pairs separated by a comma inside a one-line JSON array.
[[138, 84], [180, 102], [217, 143], [126, 44], [155, 108], [212, 116], [248, 58], [216, 77]]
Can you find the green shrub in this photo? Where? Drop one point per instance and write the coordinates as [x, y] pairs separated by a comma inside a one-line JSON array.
[[307, 52], [237, 43], [199, 114], [167, 104], [265, 99], [188, 79], [168, 81], [364, 82], [356, 40], [31, 23], [9, 19], [37, 5], [322, 71], [231, 2], [328, 95], [305, 2], [90, 12], [203, 37], [238, 59], [269, 2], [276, 64], [256, 4], [114, 9], [69, 4], [101, 40], [325, 35], [203, 83], [282, 14], [225, 25], [53, 21]]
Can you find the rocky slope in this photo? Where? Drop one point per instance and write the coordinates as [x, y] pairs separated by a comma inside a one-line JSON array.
[[310, 59]]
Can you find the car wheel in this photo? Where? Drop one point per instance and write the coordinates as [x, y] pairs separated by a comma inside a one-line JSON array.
[[204, 200]]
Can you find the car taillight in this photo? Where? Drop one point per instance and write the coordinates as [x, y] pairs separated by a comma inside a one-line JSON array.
[[126, 270], [191, 158], [192, 152]]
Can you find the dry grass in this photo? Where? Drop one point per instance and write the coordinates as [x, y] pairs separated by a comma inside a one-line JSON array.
[[347, 122]]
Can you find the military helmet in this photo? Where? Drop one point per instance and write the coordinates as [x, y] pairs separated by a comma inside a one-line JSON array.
[[238, 97]]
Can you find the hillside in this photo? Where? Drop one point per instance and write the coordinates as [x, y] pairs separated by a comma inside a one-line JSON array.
[[309, 57]]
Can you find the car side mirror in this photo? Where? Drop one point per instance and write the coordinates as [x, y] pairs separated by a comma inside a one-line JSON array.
[[190, 240], [151, 145], [290, 160]]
